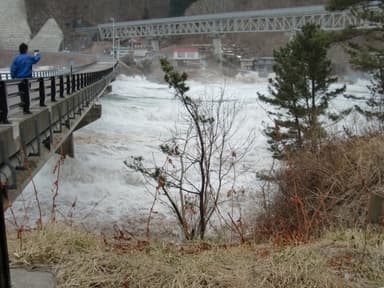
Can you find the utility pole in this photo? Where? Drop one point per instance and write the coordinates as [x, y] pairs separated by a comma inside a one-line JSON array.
[[5, 276], [113, 38], [118, 49]]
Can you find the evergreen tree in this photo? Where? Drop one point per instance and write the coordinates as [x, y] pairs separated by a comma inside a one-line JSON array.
[[300, 91], [178, 7], [367, 54], [342, 4]]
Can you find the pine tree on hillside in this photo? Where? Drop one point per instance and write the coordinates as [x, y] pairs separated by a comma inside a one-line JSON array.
[[342, 4], [177, 7], [367, 54], [300, 92]]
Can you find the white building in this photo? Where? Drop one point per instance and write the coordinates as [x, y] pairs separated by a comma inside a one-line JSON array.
[[186, 55]]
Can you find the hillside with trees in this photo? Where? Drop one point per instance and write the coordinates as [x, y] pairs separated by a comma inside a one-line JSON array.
[[219, 6], [72, 13]]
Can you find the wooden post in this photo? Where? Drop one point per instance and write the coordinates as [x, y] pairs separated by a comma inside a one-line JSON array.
[[5, 275], [376, 208]]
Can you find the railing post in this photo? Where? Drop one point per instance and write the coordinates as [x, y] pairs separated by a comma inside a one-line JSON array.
[[53, 89], [82, 80], [78, 81], [5, 275], [68, 85], [376, 208], [61, 77], [42, 92], [3, 103], [73, 83]]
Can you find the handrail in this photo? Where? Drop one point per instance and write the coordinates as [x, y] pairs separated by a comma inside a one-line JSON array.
[[51, 72], [51, 85], [69, 94], [39, 73]]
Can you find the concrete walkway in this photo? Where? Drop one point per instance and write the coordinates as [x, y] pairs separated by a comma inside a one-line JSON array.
[[23, 278]]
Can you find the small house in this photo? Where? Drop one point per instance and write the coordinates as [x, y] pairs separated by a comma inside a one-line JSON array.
[[186, 55], [247, 64], [264, 64]]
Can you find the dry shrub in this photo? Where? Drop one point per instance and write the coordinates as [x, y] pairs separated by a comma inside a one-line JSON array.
[[329, 188], [341, 259]]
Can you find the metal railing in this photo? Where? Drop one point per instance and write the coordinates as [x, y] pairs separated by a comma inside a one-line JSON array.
[[44, 87], [42, 73], [51, 72], [70, 95], [66, 94]]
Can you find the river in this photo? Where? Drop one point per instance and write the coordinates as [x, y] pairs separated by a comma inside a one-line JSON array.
[[96, 189]]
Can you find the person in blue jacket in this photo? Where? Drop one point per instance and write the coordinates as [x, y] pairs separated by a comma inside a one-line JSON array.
[[21, 68]]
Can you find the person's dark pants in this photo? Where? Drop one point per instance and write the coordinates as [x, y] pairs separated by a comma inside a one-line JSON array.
[[24, 94], [3, 112]]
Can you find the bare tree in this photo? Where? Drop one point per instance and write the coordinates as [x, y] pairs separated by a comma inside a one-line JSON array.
[[200, 157]]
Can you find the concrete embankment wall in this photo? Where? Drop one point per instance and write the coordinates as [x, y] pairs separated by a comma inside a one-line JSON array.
[[14, 27]]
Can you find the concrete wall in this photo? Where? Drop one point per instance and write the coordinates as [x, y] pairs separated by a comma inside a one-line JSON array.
[[14, 28], [49, 38]]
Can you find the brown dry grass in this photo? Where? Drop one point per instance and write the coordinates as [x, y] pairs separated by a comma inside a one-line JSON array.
[[329, 188], [340, 259]]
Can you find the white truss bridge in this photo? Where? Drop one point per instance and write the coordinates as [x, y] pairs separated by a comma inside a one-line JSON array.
[[273, 20]]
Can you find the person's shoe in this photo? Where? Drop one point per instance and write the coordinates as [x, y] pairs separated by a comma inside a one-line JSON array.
[[43, 105], [27, 112]]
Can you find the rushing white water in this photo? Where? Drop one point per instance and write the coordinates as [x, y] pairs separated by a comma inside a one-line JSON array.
[[136, 117]]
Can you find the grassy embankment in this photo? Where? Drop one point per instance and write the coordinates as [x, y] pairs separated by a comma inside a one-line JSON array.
[[313, 234], [347, 258]]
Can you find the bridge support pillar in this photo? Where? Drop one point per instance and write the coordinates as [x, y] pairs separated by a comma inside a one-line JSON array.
[[68, 147], [155, 43], [93, 114], [107, 90], [217, 48]]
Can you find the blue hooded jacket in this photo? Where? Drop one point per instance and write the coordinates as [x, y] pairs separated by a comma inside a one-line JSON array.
[[21, 66]]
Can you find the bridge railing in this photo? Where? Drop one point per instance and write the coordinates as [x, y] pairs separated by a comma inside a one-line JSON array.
[[43, 87], [42, 73], [68, 95], [51, 72]]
